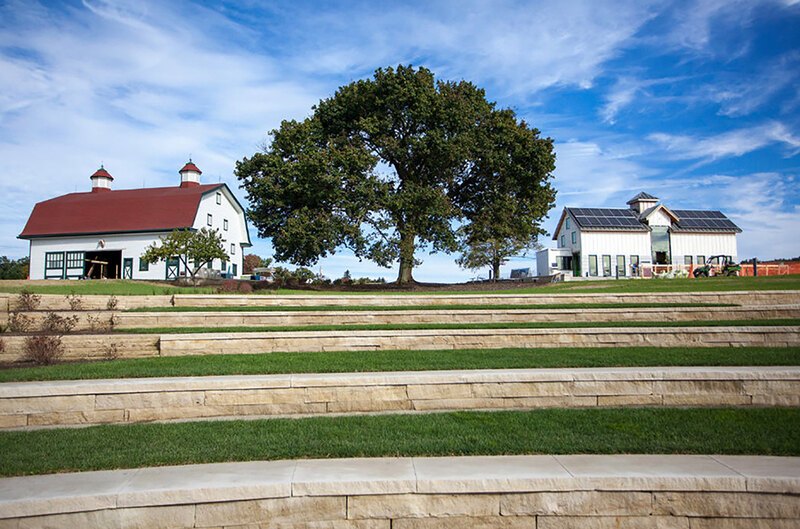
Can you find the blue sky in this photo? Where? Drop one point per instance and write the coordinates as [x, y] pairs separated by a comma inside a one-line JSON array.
[[697, 103]]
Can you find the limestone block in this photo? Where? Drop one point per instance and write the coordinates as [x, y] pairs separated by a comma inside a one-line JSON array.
[[440, 391], [9, 523], [76, 417], [294, 408], [707, 400], [457, 522], [613, 387], [522, 389], [630, 400], [297, 509], [80, 520], [576, 503], [338, 394], [742, 523], [165, 414], [333, 524], [170, 517], [422, 506], [257, 396], [504, 403], [368, 406], [612, 522], [772, 387], [47, 404], [698, 387], [776, 400], [172, 399], [726, 504], [13, 421]]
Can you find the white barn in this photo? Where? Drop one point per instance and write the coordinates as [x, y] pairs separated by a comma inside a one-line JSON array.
[[606, 242], [103, 233]]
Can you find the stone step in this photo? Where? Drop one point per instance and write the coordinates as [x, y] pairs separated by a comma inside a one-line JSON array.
[[86, 402], [100, 302], [101, 346], [623, 491], [97, 320]]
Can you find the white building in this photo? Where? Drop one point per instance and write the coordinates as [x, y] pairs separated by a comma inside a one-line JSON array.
[[103, 233], [604, 242]]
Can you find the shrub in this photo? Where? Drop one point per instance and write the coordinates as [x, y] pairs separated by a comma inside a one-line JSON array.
[[27, 300], [75, 301], [2, 346], [234, 286], [43, 350], [55, 324], [112, 303], [19, 322], [111, 351]]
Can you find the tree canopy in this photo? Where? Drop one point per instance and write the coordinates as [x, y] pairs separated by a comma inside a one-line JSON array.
[[195, 249], [394, 163]]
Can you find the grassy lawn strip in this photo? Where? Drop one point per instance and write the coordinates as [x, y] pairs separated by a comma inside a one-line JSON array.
[[765, 431], [358, 361], [450, 326], [117, 287], [384, 308]]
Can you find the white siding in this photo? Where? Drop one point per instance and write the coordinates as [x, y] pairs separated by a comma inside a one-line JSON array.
[[659, 218], [614, 243], [132, 246], [705, 244], [236, 233]]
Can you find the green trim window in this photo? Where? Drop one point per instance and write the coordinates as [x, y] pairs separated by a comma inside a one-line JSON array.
[[225, 224], [563, 241], [209, 219], [574, 237], [621, 266], [75, 260], [687, 260], [634, 265], [701, 260], [144, 266], [567, 223], [606, 266], [54, 265], [593, 265]]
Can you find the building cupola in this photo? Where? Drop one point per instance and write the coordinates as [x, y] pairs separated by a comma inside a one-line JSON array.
[[190, 174], [642, 201], [101, 180]]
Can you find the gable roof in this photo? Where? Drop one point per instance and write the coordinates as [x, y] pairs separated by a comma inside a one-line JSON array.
[[124, 211], [649, 211]]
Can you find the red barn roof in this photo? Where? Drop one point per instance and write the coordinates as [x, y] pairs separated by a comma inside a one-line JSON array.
[[128, 210], [102, 173], [190, 167]]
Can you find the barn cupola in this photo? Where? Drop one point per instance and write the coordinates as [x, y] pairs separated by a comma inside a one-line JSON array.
[[101, 180], [642, 201], [190, 174]]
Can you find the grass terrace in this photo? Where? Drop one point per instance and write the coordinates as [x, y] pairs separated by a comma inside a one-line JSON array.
[[761, 431], [374, 361], [454, 326]]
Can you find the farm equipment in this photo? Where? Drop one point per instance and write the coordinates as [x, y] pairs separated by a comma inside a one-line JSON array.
[[718, 265]]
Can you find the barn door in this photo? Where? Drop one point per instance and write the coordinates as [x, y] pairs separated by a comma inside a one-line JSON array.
[[172, 268], [127, 268]]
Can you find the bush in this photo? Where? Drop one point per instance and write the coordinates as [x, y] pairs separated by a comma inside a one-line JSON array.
[[233, 286], [112, 303], [75, 301], [43, 350], [55, 324], [19, 322], [27, 300], [111, 351]]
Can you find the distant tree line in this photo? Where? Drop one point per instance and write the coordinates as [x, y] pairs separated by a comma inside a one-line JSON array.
[[14, 269]]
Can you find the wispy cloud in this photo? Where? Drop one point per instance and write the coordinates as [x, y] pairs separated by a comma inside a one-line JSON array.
[[728, 144]]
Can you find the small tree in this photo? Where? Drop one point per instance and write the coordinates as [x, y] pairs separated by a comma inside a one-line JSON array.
[[252, 261], [199, 248]]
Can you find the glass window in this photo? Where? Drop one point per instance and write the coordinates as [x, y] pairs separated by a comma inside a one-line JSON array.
[[563, 241], [634, 265], [144, 266], [592, 265], [574, 237], [606, 265], [621, 265], [701, 259], [54, 260], [233, 249], [74, 259], [209, 219], [225, 224], [219, 198], [687, 260], [568, 224]]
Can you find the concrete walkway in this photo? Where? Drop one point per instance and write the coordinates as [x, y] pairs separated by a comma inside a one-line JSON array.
[[60, 493]]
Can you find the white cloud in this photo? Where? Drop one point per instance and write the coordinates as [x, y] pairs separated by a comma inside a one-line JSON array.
[[728, 144]]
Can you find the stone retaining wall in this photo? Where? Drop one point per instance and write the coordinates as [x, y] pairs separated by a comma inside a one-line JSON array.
[[98, 346], [509, 492], [100, 302], [28, 404], [90, 320]]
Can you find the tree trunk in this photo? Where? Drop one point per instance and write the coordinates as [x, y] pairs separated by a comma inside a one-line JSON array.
[[496, 267], [406, 258]]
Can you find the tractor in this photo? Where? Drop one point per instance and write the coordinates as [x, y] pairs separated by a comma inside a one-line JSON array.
[[718, 265]]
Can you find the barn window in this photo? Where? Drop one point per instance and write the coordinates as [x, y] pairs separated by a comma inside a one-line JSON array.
[[574, 237], [607, 265], [563, 241], [225, 224], [233, 249], [219, 198], [592, 265], [54, 260], [144, 266], [701, 259], [209, 219], [74, 259], [568, 223]]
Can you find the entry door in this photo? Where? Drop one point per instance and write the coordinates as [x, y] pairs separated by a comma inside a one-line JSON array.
[[127, 268], [172, 268]]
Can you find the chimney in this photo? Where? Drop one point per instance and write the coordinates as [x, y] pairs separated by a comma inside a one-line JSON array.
[[190, 175], [101, 180]]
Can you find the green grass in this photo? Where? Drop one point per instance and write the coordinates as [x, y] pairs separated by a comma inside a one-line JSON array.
[[117, 287], [358, 361], [764, 431], [385, 308], [453, 326]]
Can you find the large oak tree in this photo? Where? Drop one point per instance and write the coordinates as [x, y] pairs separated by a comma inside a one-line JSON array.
[[391, 164]]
